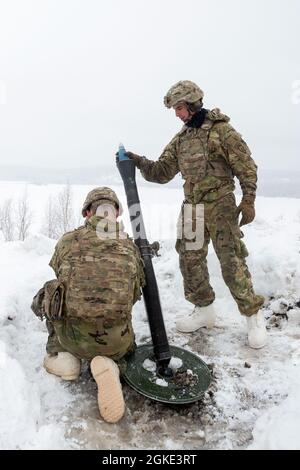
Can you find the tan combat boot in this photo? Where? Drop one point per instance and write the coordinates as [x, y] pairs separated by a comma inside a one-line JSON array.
[[199, 318], [110, 396], [257, 333], [64, 365]]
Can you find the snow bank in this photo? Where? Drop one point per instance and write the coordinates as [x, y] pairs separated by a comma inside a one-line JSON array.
[[27, 393], [38, 410], [279, 427]]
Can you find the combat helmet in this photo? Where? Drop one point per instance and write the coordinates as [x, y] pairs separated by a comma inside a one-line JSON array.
[[103, 193], [185, 91]]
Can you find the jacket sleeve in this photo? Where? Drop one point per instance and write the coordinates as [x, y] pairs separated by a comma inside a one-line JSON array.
[[54, 262], [165, 168], [240, 160], [60, 259]]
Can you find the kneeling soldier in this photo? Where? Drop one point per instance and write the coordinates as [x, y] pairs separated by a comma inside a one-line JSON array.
[[99, 278]]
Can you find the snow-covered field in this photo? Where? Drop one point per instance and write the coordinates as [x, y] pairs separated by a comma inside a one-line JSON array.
[[255, 406]]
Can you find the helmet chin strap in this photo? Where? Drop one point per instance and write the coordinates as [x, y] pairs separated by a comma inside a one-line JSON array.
[[191, 113]]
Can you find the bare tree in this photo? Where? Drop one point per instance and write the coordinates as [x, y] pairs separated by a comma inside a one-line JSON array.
[[59, 217], [6, 220], [50, 228], [66, 214], [24, 217]]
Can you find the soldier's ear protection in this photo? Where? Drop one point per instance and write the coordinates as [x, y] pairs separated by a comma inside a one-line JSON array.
[[195, 107]]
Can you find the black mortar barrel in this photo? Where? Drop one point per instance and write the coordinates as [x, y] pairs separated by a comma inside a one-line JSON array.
[[161, 348]]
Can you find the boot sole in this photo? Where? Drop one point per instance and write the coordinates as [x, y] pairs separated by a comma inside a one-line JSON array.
[[69, 377], [110, 395]]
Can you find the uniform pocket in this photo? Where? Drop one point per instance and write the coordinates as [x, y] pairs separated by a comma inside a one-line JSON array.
[[244, 251], [240, 247]]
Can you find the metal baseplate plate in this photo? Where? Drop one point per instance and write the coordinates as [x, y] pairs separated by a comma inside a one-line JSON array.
[[187, 385]]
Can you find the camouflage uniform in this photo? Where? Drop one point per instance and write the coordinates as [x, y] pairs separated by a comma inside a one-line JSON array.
[[103, 277], [208, 158]]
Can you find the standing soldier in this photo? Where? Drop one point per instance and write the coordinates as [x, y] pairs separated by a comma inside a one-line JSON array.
[[209, 153], [99, 276]]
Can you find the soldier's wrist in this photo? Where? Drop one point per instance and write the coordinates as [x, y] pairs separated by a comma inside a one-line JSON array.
[[140, 161], [249, 198]]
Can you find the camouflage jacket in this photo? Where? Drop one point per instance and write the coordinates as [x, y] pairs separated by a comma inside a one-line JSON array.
[[208, 158], [101, 269]]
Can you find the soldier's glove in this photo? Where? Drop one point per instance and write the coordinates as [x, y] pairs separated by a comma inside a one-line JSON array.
[[133, 156], [246, 207], [154, 247]]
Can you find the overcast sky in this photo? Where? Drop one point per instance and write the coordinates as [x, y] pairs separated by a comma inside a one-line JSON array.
[[77, 77]]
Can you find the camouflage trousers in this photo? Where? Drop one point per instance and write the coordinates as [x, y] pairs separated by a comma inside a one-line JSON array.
[[86, 339], [221, 227]]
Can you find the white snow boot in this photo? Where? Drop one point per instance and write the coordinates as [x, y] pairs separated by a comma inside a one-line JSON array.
[[199, 318], [257, 333], [110, 395], [64, 365]]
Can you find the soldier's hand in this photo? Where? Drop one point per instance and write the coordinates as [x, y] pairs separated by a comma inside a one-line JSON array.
[[247, 209], [154, 247], [133, 156]]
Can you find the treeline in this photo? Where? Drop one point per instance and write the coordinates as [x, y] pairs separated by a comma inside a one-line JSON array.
[[16, 217]]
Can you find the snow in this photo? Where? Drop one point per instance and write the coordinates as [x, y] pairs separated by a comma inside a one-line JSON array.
[[149, 365], [253, 406], [175, 363], [279, 427], [161, 382]]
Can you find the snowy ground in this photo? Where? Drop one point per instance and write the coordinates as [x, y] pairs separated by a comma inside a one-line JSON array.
[[254, 407]]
